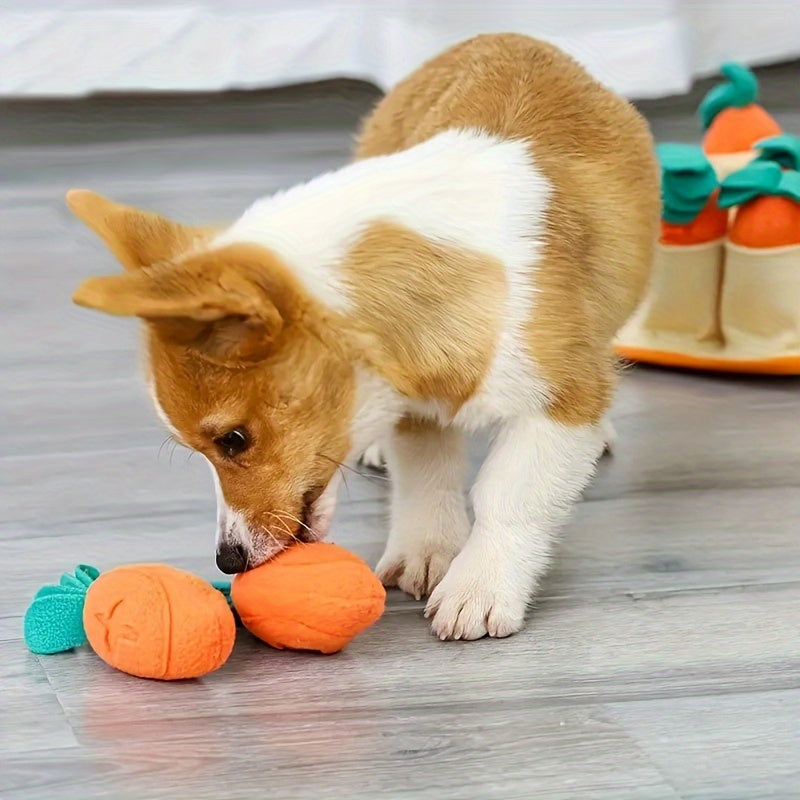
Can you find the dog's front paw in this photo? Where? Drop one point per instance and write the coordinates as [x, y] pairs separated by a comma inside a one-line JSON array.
[[416, 570], [469, 605]]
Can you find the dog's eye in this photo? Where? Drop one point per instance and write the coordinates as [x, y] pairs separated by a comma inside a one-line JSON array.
[[233, 443]]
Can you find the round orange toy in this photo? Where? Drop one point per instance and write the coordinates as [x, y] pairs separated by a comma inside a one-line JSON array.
[[732, 119], [155, 621], [309, 597]]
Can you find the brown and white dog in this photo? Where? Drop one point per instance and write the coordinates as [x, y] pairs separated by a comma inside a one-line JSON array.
[[468, 271]]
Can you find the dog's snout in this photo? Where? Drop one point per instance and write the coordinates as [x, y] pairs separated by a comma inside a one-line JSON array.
[[231, 558]]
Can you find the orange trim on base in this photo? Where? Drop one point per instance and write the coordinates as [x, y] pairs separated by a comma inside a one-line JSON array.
[[780, 365]]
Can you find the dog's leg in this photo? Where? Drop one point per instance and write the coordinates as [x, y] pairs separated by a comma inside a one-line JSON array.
[[534, 472], [429, 522]]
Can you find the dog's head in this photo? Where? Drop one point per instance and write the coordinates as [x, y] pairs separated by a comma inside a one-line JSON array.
[[241, 370]]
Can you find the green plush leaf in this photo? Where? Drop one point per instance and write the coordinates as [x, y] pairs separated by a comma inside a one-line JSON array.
[[52, 589], [86, 574], [54, 621], [677, 157], [687, 181], [739, 90], [759, 178], [71, 580], [783, 149], [789, 185]]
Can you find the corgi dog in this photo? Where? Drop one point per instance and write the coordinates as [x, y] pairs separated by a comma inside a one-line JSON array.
[[468, 270]]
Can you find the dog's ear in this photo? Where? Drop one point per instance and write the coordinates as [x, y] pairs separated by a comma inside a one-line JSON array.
[[208, 303], [137, 238]]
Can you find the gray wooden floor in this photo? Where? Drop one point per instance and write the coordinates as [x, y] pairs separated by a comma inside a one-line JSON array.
[[662, 660]]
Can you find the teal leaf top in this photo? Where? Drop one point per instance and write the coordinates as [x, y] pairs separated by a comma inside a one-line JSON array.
[[687, 181], [54, 620], [759, 178], [783, 149], [740, 89]]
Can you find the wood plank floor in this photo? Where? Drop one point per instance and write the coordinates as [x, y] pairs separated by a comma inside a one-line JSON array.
[[662, 659]]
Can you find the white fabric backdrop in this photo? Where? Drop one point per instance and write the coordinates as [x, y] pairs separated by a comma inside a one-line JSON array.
[[643, 48]]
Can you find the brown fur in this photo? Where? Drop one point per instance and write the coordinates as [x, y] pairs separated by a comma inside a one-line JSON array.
[[296, 404], [597, 153], [431, 311], [231, 342], [137, 238]]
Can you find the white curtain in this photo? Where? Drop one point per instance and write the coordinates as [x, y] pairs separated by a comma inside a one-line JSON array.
[[642, 48]]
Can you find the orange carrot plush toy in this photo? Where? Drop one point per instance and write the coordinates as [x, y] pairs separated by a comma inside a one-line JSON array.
[[680, 307], [311, 597], [156, 621], [732, 120], [760, 303], [725, 289]]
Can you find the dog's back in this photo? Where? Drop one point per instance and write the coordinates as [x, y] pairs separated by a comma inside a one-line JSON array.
[[595, 151]]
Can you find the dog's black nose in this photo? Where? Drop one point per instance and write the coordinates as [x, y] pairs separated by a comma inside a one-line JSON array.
[[231, 558]]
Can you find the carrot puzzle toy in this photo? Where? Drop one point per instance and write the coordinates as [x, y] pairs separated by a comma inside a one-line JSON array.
[[724, 292], [760, 297], [679, 312], [156, 621], [733, 121]]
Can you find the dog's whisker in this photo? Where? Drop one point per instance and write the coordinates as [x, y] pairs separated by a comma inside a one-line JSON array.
[[292, 518], [273, 537], [279, 520], [283, 524], [344, 481], [300, 522], [163, 445], [368, 475]]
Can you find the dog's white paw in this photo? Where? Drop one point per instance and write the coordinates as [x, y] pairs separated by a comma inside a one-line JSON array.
[[418, 570], [466, 605], [373, 457]]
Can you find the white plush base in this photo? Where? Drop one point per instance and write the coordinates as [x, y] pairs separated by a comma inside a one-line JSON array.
[[744, 309]]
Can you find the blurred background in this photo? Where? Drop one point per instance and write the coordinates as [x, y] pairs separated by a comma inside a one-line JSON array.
[[641, 49]]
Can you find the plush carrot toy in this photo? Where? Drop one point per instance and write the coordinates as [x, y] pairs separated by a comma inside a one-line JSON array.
[[760, 301], [783, 150], [690, 213], [156, 621], [768, 201], [680, 307], [732, 119]]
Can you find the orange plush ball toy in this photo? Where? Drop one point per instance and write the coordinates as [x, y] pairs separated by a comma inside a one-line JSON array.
[[155, 621], [309, 597]]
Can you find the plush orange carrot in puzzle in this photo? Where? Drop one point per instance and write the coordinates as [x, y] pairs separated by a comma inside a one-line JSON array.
[[732, 119], [783, 150], [690, 214], [768, 205]]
